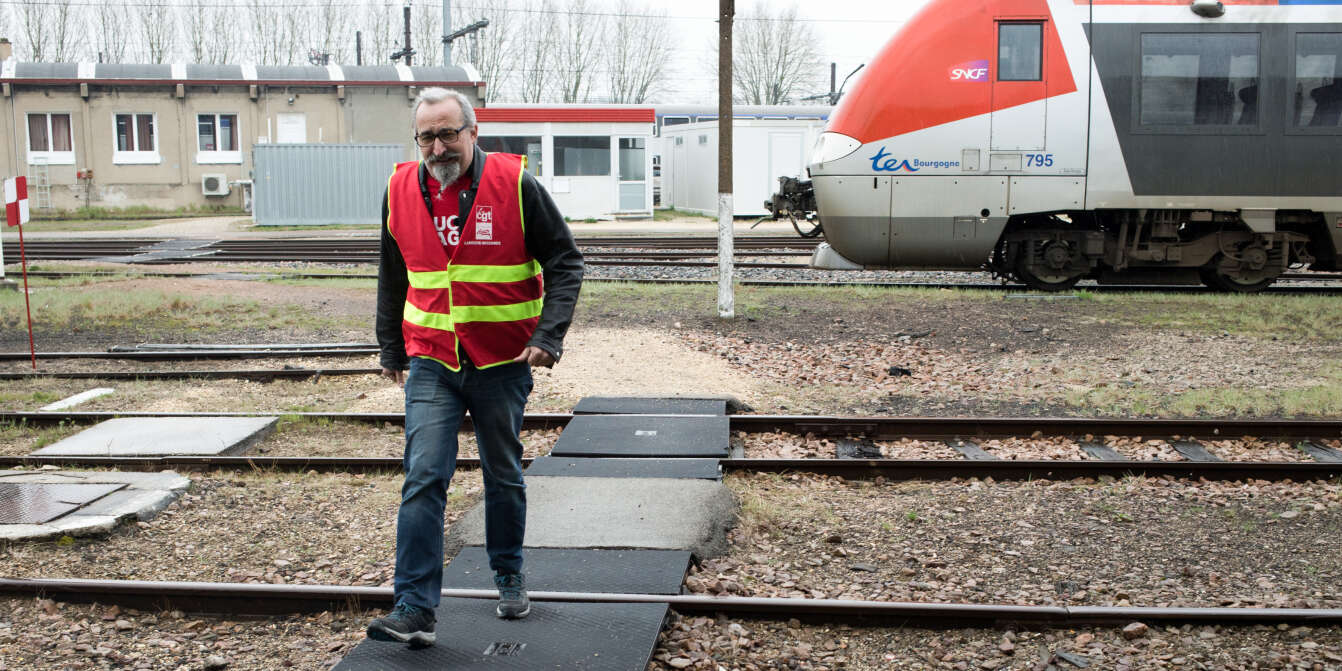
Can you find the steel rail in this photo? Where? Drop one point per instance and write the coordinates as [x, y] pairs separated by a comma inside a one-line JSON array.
[[190, 355], [260, 599], [879, 428], [256, 375], [852, 469]]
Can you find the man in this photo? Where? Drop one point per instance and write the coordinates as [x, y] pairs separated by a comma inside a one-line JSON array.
[[477, 282]]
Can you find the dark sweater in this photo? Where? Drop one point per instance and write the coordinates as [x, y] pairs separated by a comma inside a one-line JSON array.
[[547, 239]]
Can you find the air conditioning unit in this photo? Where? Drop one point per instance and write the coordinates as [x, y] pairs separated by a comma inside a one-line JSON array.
[[214, 184]]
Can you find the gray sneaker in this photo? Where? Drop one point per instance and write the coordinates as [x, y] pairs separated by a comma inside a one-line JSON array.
[[513, 601], [406, 624]]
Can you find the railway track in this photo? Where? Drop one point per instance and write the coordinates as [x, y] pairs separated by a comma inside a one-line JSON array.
[[254, 599], [958, 432]]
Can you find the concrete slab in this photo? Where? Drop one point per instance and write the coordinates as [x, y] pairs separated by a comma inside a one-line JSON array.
[[625, 468], [649, 405], [72, 401], [645, 436], [159, 436], [141, 497], [649, 513], [34, 503]]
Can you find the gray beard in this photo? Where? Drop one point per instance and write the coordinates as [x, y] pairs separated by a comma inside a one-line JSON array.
[[445, 171]]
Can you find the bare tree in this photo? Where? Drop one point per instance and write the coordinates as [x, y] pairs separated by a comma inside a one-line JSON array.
[[534, 62], [576, 54], [109, 26], [49, 29], [637, 51], [157, 24], [495, 52], [426, 33], [210, 35], [381, 31], [775, 56]]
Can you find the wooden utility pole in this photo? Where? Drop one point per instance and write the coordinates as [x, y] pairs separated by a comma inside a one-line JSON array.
[[726, 296]]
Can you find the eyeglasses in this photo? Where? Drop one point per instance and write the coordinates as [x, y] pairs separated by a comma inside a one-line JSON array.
[[446, 136]]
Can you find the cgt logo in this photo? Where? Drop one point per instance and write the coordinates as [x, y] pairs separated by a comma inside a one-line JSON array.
[[972, 71]]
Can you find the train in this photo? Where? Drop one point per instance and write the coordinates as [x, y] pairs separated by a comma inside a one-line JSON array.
[[1124, 141]]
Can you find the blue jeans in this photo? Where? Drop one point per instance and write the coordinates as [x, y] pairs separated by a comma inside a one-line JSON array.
[[436, 399]]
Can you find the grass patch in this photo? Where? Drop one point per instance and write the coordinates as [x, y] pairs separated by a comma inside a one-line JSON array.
[[1322, 400], [1255, 315], [696, 300], [672, 214], [120, 218], [326, 282], [106, 309]]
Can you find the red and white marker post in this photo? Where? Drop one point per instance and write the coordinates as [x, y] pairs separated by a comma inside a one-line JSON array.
[[16, 214]]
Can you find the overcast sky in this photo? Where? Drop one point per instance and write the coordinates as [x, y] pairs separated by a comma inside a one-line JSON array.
[[849, 32]]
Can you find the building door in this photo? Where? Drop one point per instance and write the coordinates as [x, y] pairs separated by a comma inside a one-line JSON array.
[[291, 128], [633, 174], [1019, 77]]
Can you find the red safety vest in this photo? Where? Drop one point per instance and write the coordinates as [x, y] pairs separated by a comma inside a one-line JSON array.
[[486, 296]]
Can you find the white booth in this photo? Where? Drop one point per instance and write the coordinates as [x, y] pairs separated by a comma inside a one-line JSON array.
[[594, 160], [762, 151]]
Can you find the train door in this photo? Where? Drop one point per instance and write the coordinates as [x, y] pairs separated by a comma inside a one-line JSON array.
[[1020, 77]]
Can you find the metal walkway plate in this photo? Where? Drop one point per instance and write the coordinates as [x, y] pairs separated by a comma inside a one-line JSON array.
[[583, 467], [645, 436], [41, 503], [573, 570], [970, 450], [1101, 452], [1321, 452], [555, 637], [634, 405], [156, 436], [1193, 451]]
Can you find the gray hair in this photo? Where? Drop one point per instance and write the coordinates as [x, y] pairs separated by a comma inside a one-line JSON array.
[[437, 94]]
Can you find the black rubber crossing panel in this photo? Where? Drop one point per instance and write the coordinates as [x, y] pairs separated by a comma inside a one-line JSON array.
[[585, 467], [1101, 452], [618, 405], [1194, 451], [1321, 452], [554, 637], [970, 450], [645, 436], [578, 570]]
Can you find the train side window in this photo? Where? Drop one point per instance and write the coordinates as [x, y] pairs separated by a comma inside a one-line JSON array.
[[1020, 48], [1192, 80], [1318, 80]]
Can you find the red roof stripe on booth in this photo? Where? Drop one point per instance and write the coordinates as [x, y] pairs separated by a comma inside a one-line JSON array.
[[569, 114]]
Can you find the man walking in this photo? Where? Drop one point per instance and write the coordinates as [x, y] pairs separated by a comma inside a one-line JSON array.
[[477, 282]]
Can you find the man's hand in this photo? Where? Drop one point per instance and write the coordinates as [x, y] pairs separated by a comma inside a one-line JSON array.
[[536, 357], [398, 376]]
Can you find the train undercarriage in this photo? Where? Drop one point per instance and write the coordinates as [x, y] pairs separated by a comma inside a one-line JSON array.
[[1238, 251], [1220, 249]]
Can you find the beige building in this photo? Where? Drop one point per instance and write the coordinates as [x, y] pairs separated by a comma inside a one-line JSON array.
[[170, 136]]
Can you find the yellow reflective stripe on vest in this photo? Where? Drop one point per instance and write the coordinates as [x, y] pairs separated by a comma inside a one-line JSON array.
[[442, 279], [431, 320], [496, 313]]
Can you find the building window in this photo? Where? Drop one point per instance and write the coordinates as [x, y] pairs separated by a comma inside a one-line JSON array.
[[217, 138], [1020, 48], [135, 139], [526, 145], [50, 139], [1199, 80], [1318, 82], [587, 156]]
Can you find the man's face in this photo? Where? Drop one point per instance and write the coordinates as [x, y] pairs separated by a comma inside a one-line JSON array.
[[446, 161]]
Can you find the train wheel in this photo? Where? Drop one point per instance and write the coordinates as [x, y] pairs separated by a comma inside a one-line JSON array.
[[1214, 278], [1054, 273], [1235, 277], [1043, 280]]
